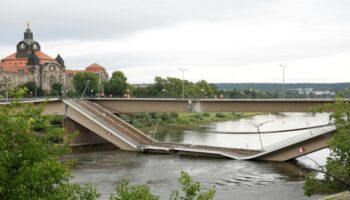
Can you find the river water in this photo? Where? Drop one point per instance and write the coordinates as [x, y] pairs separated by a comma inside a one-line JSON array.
[[232, 179]]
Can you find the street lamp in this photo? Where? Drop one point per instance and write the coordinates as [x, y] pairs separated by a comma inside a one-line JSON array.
[[91, 91], [283, 67], [86, 86], [183, 81], [202, 93], [7, 90], [257, 126], [163, 92]]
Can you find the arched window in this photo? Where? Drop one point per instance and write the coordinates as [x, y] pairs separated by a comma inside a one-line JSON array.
[[22, 46]]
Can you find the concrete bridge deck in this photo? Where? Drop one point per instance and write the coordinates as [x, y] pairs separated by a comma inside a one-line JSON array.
[[134, 105], [104, 123]]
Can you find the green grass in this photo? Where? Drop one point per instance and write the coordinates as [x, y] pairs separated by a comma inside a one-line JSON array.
[[147, 121]]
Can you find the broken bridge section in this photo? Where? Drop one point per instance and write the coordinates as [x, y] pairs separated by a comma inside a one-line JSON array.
[[111, 128]]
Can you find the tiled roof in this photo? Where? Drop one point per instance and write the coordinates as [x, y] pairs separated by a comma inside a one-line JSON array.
[[72, 71], [95, 68], [15, 67], [41, 55], [13, 64]]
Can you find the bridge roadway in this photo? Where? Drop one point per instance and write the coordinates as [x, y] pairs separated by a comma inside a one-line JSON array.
[[108, 126], [134, 105]]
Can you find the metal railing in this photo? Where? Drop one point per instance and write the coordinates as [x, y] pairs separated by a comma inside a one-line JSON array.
[[299, 138]]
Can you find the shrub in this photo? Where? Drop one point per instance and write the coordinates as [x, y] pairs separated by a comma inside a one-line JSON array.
[[165, 116], [206, 114], [220, 115], [174, 115]]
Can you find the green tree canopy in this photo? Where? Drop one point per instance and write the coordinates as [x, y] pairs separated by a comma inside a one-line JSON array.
[[117, 85], [32, 89], [56, 89], [190, 191], [172, 87], [337, 169], [81, 79], [29, 151]]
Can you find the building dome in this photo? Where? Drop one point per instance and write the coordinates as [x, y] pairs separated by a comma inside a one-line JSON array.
[[95, 68]]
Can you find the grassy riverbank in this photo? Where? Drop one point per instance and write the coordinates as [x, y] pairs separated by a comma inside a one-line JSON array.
[[147, 121]]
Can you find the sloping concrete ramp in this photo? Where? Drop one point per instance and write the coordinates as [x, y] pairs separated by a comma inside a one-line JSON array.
[[113, 129]]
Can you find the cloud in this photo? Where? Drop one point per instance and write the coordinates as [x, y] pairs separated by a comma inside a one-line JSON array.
[[221, 40]]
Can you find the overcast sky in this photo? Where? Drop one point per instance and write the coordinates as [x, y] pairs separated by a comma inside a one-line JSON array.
[[215, 40]]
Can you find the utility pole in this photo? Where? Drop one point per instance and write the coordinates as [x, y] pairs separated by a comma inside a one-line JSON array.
[[183, 82], [283, 67], [257, 126]]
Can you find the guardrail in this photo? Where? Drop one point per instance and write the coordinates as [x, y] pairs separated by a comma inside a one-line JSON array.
[[298, 138]]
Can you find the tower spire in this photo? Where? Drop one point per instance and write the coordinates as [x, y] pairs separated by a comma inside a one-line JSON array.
[[28, 26]]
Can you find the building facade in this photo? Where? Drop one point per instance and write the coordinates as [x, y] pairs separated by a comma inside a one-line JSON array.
[[30, 64]]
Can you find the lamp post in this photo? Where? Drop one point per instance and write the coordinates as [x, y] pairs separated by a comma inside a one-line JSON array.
[[183, 81], [257, 126], [163, 92], [283, 67], [91, 91], [86, 86], [7, 90]]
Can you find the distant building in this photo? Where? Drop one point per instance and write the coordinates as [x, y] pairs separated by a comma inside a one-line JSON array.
[[94, 68], [30, 64]]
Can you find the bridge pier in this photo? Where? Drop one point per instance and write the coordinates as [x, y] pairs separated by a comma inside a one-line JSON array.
[[85, 136]]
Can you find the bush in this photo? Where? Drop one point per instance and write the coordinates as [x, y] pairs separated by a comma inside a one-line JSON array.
[[198, 116], [165, 116], [190, 191], [206, 114], [153, 115], [174, 115], [56, 120], [220, 115]]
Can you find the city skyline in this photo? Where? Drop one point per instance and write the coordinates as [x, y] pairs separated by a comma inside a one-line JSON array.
[[219, 41]]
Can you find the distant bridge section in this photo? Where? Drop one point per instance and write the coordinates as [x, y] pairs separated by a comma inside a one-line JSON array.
[[134, 105]]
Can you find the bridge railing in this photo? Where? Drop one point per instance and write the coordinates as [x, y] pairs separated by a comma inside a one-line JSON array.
[[298, 138], [115, 121]]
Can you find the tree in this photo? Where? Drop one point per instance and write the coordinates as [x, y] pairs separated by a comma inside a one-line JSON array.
[[190, 191], [125, 191], [56, 89], [32, 89], [206, 89], [81, 79], [29, 151], [117, 85], [337, 169]]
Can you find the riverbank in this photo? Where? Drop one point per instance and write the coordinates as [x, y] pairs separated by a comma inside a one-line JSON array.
[[339, 196], [150, 121]]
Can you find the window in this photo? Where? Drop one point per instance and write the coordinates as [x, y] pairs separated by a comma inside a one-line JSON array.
[[22, 46], [35, 46]]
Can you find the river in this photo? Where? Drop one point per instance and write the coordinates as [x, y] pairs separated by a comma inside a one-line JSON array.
[[232, 179]]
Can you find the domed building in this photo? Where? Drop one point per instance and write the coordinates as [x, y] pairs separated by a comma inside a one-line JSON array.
[[30, 64], [94, 68]]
